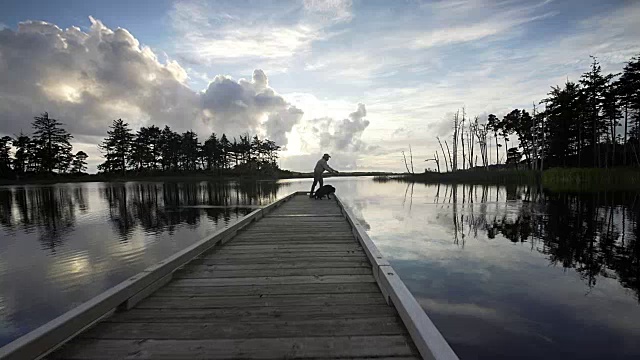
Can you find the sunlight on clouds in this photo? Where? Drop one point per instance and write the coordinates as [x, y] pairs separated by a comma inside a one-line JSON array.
[[62, 92]]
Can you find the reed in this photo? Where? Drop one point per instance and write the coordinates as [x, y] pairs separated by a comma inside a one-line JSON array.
[[591, 179]]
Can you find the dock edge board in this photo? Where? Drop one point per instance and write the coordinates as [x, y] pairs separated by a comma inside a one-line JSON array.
[[50, 336], [427, 338]]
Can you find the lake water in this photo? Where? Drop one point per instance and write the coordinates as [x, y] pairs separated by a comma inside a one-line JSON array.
[[504, 272]]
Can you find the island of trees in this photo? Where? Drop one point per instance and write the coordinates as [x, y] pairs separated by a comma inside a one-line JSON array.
[[150, 151]]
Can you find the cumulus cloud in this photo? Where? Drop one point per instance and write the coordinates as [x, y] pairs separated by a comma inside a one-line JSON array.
[[341, 138], [89, 79], [236, 106], [342, 135], [281, 123]]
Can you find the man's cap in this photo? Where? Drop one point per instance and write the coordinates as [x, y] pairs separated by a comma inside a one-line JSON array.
[[327, 155]]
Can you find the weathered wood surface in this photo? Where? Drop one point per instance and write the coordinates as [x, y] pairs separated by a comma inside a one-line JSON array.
[[296, 284]]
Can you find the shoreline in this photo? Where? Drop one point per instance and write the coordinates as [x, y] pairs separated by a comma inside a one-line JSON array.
[[175, 177], [554, 179]]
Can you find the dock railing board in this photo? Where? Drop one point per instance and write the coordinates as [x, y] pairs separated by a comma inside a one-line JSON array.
[[427, 338], [50, 336]]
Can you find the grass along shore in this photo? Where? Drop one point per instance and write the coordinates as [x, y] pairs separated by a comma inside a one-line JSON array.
[[555, 179]]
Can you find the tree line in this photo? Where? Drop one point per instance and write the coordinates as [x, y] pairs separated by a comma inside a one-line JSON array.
[[594, 122], [47, 150], [154, 149], [149, 150]]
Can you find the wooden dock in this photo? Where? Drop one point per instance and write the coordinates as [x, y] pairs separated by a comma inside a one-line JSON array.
[[301, 282]]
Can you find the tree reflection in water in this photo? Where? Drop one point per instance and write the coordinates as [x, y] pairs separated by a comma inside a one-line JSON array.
[[50, 211], [155, 207], [159, 207], [596, 234]]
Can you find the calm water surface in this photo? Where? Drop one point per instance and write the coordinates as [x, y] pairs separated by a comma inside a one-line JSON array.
[[504, 272]]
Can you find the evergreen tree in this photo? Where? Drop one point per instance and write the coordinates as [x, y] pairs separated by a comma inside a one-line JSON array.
[[225, 151], [563, 132], [53, 147], [629, 86], [189, 151], [145, 148], [494, 125], [21, 157], [5, 156], [169, 148], [79, 163], [211, 152], [116, 148], [594, 86]]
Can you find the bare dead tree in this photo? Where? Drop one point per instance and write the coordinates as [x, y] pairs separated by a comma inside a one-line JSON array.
[[436, 159], [543, 140], [405, 162], [454, 144], [411, 158], [470, 144], [481, 131], [464, 159], [535, 137], [444, 155], [449, 152]]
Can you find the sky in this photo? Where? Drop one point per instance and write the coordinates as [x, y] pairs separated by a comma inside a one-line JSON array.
[[361, 80]]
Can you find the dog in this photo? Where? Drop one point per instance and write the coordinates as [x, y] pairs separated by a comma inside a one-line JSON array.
[[326, 190]]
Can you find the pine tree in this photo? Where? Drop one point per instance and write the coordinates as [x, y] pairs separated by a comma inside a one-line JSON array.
[[21, 157], [494, 125], [79, 163], [189, 151], [594, 85], [53, 147], [5, 156], [211, 152], [116, 147], [169, 145]]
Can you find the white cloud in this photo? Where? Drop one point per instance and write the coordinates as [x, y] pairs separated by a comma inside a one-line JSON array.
[[86, 80], [208, 33], [239, 106]]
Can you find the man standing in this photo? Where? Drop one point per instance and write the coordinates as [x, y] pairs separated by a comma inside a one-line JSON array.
[[321, 166]]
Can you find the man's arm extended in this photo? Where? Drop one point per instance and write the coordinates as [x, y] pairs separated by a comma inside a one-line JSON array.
[[329, 168]]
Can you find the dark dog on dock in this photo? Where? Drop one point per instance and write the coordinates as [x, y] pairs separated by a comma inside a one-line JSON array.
[[324, 191]]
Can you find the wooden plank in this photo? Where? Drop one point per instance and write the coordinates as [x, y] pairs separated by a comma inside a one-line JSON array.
[[293, 241], [244, 329], [287, 249], [308, 247], [299, 231], [312, 238], [307, 347], [284, 265], [288, 254], [276, 259], [195, 272], [280, 280], [335, 288], [253, 313], [303, 216], [203, 302]]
